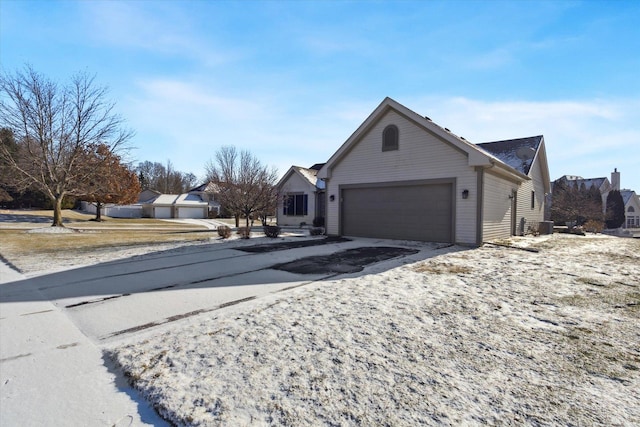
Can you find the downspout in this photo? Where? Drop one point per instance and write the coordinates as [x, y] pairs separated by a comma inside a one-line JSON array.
[[479, 205], [325, 204]]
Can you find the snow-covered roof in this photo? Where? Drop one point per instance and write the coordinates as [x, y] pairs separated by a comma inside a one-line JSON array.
[[179, 199], [516, 153], [308, 174], [577, 181], [190, 199]]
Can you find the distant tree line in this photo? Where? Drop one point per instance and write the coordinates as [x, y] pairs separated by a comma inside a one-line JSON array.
[[164, 178]]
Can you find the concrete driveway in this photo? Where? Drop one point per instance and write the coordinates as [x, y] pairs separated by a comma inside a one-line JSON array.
[[54, 327]]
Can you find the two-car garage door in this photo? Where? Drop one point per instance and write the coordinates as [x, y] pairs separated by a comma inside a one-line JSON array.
[[399, 211]]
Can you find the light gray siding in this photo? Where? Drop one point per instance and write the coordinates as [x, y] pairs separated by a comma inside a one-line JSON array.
[[530, 214], [297, 185], [497, 207], [420, 156]]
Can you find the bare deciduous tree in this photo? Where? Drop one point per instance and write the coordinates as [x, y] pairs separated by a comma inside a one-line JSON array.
[[243, 185], [165, 179], [575, 203], [55, 127]]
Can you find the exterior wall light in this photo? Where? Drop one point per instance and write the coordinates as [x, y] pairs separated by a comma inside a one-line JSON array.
[[465, 194], [332, 198]]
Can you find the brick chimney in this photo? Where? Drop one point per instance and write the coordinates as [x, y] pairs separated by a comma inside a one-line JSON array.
[[615, 179]]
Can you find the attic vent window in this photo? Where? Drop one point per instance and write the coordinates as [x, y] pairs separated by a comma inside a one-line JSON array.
[[390, 138]]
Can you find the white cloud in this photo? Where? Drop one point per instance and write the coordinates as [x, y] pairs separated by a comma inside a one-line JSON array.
[[583, 137], [162, 29], [188, 121]]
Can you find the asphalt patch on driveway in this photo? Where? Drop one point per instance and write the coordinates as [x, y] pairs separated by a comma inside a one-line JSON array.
[[282, 246], [347, 261]]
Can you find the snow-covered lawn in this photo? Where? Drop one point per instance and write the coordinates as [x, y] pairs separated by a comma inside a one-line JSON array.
[[492, 335]]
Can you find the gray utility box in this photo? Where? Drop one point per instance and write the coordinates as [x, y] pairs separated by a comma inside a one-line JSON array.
[[545, 227]]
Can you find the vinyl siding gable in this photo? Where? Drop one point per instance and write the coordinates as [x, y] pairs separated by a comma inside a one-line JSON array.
[[420, 156], [296, 184]]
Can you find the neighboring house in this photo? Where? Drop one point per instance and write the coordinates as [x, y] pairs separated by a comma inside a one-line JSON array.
[[631, 208], [401, 176], [197, 203], [301, 196], [185, 205], [207, 192], [603, 185], [630, 198]]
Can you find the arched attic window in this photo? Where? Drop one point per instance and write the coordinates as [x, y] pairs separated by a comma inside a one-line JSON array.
[[631, 209], [390, 138]]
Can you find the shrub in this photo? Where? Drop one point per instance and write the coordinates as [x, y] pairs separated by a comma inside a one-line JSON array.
[[593, 226], [244, 232], [224, 231], [318, 221], [316, 231], [271, 231]]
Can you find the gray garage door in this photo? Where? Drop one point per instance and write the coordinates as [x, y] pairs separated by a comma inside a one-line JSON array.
[[406, 212]]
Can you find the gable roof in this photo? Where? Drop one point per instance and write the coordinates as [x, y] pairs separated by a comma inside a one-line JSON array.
[[520, 154], [185, 199], [307, 174], [627, 196], [476, 156], [148, 196], [601, 184], [517, 153]]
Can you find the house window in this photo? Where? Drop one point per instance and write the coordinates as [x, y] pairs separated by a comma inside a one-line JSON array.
[[390, 138], [533, 199], [295, 205]]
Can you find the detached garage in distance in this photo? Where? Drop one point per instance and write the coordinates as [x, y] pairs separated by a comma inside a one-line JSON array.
[[401, 176], [167, 206]]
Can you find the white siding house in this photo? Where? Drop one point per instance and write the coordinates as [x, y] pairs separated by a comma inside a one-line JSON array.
[[631, 209], [402, 176]]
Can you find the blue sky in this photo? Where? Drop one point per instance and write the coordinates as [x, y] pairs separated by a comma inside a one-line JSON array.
[[291, 80]]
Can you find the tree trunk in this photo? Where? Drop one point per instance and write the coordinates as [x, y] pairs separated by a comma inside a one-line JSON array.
[[57, 211], [237, 217], [98, 213]]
